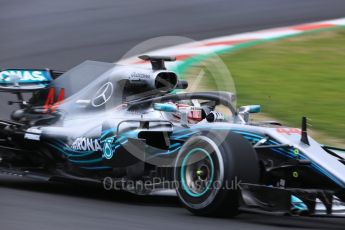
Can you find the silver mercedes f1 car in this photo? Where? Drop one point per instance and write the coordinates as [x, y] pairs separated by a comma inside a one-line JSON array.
[[143, 127]]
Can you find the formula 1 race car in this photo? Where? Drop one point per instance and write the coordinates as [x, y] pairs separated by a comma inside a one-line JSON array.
[[140, 130]]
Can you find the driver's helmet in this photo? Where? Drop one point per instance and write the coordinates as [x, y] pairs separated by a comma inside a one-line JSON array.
[[194, 113]]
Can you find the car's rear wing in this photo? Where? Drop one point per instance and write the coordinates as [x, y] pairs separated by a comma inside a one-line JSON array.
[[14, 80]]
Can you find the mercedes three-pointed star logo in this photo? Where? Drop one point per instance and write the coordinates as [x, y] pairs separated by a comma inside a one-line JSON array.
[[103, 94]]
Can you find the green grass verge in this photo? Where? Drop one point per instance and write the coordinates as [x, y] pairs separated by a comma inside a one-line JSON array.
[[294, 77]]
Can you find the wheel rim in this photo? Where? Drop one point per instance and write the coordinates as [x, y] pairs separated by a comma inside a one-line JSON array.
[[197, 172]]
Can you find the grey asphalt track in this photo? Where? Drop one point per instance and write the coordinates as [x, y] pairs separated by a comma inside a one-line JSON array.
[[62, 33]]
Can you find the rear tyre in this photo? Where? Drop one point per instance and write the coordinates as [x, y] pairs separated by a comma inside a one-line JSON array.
[[209, 168]]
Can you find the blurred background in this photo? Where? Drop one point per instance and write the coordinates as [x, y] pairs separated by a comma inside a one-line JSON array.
[[61, 34]]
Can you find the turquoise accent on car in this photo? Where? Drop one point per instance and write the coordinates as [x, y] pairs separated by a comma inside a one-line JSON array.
[[183, 171], [106, 132], [298, 204], [67, 151], [254, 108], [108, 150], [170, 151], [165, 107], [110, 146], [184, 135]]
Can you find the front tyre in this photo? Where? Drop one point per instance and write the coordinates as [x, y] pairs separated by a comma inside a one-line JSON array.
[[208, 169]]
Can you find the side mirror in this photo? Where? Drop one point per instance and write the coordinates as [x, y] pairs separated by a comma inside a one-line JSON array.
[[165, 107], [244, 111], [250, 109]]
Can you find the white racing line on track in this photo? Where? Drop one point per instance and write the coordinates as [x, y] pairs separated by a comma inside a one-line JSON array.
[[186, 53]]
